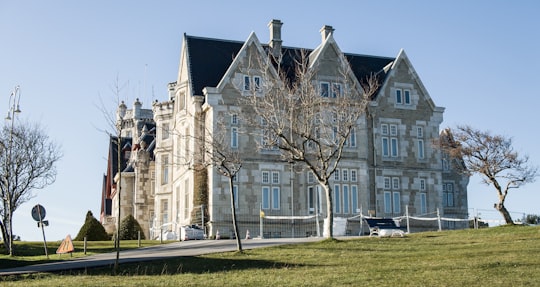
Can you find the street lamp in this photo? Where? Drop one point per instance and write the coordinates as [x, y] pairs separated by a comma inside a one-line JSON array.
[[14, 100]]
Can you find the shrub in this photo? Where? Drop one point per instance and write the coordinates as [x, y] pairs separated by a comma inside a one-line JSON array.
[[129, 228], [92, 230], [532, 219]]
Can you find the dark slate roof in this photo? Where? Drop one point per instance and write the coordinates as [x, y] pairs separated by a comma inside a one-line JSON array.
[[113, 154], [209, 59]]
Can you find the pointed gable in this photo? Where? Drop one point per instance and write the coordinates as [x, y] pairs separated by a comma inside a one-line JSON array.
[[403, 68], [362, 66], [245, 58], [209, 60]]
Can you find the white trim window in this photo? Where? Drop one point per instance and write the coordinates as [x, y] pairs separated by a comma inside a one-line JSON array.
[[387, 202], [346, 199], [395, 182], [394, 141], [257, 83], [407, 97], [390, 145], [234, 119], [337, 198], [392, 199], [352, 138], [275, 177], [247, 83], [403, 96], [165, 169], [448, 194], [399, 96], [234, 137], [396, 204], [420, 142], [265, 177], [423, 203], [276, 197], [422, 184], [345, 174], [165, 132], [314, 199], [336, 90], [254, 82], [421, 149], [324, 89], [354, 176], [271, 191], [387, 183], [354, 198], [265, 197], [310, 177]]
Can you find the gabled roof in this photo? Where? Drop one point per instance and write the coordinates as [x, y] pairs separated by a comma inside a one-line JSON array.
[[210, 58]]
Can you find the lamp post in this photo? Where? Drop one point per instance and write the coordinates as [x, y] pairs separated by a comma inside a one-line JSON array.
[[14, 100]]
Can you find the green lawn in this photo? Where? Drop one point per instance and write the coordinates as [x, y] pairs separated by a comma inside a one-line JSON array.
[[499, 256]]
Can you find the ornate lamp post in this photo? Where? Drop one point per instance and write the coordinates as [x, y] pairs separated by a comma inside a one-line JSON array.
[[14, 109]]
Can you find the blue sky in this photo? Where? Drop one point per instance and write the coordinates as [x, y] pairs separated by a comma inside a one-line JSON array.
[[478, 59]]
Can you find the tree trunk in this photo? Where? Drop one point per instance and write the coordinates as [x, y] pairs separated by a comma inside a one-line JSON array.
[[4, 236], [233, 209], [504, 212], [328, 231]]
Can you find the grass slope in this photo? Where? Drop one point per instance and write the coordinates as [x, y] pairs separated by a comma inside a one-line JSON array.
[[499, 256]]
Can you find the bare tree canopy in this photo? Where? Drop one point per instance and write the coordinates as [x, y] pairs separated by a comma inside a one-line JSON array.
[[310, 123], [492, 157], [28, 159]]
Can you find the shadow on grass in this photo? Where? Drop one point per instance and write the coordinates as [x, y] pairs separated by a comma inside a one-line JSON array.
[[181, 265]]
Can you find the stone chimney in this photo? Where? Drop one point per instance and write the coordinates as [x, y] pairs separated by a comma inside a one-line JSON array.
[[275, 37], [137, 109], [326, 30]]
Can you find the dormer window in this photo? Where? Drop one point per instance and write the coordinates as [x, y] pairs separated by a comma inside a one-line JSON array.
[[257, 83], [325, 89], [336, 90], [330, 90], [403, 97], [253, 82]]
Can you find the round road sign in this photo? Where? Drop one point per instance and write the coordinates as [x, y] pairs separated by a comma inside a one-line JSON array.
[[38, 212]]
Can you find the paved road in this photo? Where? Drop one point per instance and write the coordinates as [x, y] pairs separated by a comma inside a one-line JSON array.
[[186, 248]]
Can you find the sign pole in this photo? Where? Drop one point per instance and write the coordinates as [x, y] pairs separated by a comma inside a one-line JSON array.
[[42, 230]]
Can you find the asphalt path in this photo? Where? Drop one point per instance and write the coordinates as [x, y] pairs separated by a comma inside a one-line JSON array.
[[162, 251]]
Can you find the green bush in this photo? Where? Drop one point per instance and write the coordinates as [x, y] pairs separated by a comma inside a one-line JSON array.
[[532, 219], [129, 228], [92, 230]]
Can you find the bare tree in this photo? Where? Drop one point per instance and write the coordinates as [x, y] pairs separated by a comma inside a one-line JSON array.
[[28, 159], [310, 124], [214, 150], [492, 157], [115, 122]]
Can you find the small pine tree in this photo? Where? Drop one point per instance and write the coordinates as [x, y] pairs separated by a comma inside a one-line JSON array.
[[129, 228], [92, 230]]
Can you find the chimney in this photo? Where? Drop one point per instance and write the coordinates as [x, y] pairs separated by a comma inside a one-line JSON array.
[[275, 37], [137, 109], [326, 30]]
